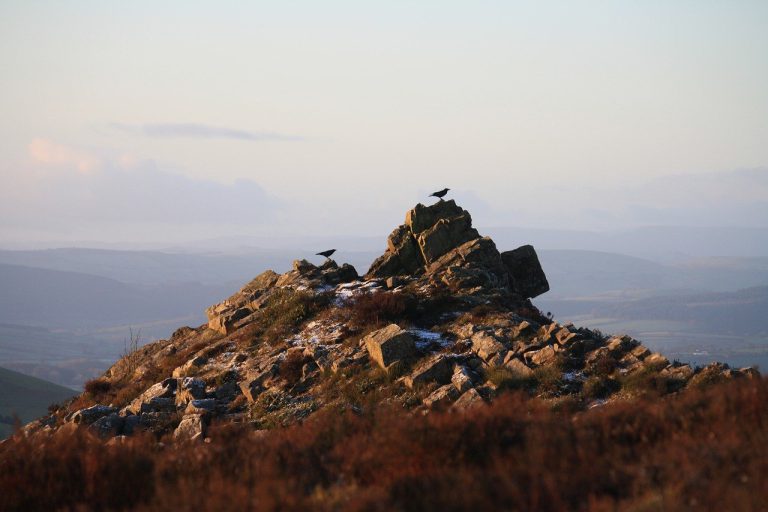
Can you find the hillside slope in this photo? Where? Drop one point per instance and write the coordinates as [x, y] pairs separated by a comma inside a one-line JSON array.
[[26, 397]]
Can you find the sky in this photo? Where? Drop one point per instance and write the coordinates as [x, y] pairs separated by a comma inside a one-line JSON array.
[[171, 121]]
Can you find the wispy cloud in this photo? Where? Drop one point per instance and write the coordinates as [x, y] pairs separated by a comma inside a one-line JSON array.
[[50, 153], [201, 131]]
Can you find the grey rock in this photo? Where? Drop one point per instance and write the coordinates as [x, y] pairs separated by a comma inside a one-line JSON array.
[[527, 276]]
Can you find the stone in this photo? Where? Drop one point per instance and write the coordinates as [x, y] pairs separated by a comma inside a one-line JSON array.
[[474, 263], [90, 414], [541, 356], [565, 337], [190, 367], [682, 372], [519, 368], [438, 368], [656, 360], [190, 388], [461, 379], [441, 397], [527, 277], [191, 426], [252, 388], [228, 391], [107, 426], [201, 406], [156, 405], [402, 243], [444, 236], [486, 345], [131, 425], [422, 217], [390, 345], [620, 345], [470, 398], [640, 352], [160, 390]]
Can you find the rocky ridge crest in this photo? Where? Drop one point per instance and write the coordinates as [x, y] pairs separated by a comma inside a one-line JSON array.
[[442, 320]]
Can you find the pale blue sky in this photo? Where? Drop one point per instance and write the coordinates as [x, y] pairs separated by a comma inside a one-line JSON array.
[[343, 114]]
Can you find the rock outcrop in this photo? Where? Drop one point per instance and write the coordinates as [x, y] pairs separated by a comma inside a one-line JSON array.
[[441, 321], [439, 242]]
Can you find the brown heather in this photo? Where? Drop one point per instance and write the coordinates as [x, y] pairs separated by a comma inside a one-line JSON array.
[[702, 449]]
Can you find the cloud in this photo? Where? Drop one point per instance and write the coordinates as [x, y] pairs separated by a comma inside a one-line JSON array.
[[47, 152], [73, 187], [200, 131]]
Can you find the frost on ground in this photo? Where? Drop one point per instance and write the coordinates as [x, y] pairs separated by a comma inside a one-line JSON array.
[[429, 340]]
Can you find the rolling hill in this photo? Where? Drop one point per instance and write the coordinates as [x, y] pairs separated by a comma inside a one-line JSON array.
[[26, 397]]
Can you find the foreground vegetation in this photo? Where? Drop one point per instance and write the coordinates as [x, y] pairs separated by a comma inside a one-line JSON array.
[[702, 449]]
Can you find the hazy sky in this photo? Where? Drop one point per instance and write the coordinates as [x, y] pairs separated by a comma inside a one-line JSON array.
[[181, 120]]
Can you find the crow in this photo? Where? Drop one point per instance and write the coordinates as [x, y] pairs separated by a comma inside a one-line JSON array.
[[327, 253], [440, 193]]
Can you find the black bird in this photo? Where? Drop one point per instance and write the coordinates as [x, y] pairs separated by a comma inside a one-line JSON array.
[[440, 193], [327, 253]]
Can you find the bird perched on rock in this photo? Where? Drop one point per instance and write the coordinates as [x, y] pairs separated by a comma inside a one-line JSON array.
[[327, 253], [440, 193]]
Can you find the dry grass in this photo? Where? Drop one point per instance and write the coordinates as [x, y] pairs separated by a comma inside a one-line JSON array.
[[701, 449]]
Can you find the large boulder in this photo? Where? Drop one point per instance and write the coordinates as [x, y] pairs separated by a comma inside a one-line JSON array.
[[438, 368], [446, 235], [389, 345], [526, 275]]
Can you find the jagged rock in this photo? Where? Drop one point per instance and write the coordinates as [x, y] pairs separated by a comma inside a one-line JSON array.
[[107, 426], [476, 263], [519, 368], [640, 352], [390, 345], [470, 398], [441, 397], [201, 406], [252, 388], [90, 414], [656, 360], [445, 235], [486, 345], [131, 425], [564, 336], [438, 368], [620, 345], [227, 391], [156, 421], [541, 356], [156, 405], [190, 388], [422, 217], [527, 277], [160, 390], [190, 367], [682, 372], [461, 379], [311, 276], [191, 426]]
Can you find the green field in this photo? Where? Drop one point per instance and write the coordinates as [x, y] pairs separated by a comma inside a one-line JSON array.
[[26, 397]]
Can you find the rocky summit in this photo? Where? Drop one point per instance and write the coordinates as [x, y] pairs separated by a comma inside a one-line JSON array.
[[442, 321]]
